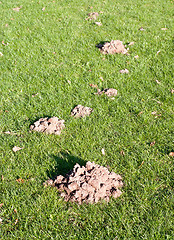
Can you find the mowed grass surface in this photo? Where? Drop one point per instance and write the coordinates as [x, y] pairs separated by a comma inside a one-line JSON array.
[[45, 50]]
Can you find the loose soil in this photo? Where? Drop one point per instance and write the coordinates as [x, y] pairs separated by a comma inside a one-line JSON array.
[[81, 111], [48, 125], [92, 16], [88, 184], [115, 46], [124, 71], [110, 92]]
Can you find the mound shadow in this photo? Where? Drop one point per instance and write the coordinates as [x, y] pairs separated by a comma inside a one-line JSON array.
[[33, 120], [64, 163], [101, 44]]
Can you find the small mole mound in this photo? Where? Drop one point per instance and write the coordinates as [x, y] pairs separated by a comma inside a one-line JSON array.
[[92, 16], [81, 111], [123, 71], [115, 46], [88, 184], [48, 125], [110, 92]]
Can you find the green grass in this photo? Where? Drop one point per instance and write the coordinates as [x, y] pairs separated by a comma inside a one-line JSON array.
[[29, 66]]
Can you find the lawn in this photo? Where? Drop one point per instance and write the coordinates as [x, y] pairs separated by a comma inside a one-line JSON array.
[[48, 60]]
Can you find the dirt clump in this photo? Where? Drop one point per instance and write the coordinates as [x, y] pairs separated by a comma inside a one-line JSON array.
[[92, 16], [124, 71], [88, 184], [81, 111], [115, 46], [110, 92], [171, 154], [48, 125], [98, 23], [141, 29]]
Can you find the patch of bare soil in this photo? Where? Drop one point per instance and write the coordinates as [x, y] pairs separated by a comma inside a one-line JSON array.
[[81, 111], [88, 184], [92, 16], [110, 92], [141, 29], [48, 125], [17, 9], [115, 46], [124, 71]]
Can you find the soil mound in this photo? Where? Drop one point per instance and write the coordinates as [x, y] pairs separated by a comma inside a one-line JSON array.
[[81, 111], [48, 125], [110, 92], [115, 46], [92, 16], [88, 184]]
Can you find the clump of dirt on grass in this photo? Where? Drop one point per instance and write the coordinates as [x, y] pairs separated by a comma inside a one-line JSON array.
[[123, 71], [110, 92], [115, 46], [81, 111], [48, 125], [92, 16], [88, 184]]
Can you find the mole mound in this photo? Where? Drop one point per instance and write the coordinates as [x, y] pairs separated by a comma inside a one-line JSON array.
[[110, 92], [115, 46], [48, 125], [92, 16], [81, 111], [88, 184]]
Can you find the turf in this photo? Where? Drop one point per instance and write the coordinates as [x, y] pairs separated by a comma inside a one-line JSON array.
[[52, 53]]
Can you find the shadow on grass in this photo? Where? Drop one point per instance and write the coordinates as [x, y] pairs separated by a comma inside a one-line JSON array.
[[101, 44], [63, 164], [32, 121]]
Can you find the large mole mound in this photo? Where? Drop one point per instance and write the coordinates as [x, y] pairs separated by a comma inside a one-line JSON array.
[[115, 46], [88, 184]]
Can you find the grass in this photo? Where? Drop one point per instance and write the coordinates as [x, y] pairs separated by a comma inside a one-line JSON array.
[[46, 49]]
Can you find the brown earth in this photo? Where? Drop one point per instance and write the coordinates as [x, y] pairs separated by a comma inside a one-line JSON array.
[[81, 111], [92, 16], [48, 125], [110, 92], [115, 46], [88, 184]]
